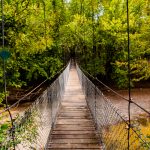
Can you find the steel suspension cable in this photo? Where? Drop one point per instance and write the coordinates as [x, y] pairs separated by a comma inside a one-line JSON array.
[[64, 49], [2, 11], [44, 9], [80, 13], [16, 103], [129, 78], [93, 37], [92, 86], [82, 26], [94, 59], [126, 99], [4, 74], [84, 16]]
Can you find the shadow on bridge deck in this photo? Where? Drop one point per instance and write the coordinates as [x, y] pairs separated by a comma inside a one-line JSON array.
[[74, 127]]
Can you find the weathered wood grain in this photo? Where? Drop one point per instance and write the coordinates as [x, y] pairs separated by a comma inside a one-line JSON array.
[[74, 128]]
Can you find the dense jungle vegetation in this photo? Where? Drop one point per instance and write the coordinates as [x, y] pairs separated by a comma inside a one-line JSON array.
[[41, 33]]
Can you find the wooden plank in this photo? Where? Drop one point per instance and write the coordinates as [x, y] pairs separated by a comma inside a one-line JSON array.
[[74, 126], [73, 136], [69, 122], [74, 117], [74, 141], [74, 120], [74, 107], [74, 113], [74, 129], [77, 110], [75, 104], [72, 149], [71, 145], [73, 132]]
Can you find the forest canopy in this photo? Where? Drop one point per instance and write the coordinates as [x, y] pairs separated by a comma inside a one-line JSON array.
[[40, 35]]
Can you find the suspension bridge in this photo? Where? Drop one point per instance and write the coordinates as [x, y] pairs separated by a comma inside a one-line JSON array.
[[72, 113]]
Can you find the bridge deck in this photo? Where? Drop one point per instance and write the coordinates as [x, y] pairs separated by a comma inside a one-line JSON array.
[[74, 128]]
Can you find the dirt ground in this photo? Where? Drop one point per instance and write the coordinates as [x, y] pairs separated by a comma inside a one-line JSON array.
[[139, 95]]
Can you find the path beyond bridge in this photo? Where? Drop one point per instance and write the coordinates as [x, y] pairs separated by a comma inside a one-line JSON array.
[[74, 127]]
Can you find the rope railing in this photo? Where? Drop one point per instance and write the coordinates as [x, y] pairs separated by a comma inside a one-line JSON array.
[[114, 92], [111, 125], [32, 127]]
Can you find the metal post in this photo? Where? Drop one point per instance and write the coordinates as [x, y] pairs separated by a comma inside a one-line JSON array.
[[4, 75], [2, 11], [45, 22], [95, 107], [87, 88], [129, 78]]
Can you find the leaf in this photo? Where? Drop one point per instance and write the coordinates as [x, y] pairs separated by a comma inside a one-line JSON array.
[[4, 126]]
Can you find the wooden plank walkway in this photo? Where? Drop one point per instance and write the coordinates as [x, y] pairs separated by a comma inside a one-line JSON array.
[[74, 128]]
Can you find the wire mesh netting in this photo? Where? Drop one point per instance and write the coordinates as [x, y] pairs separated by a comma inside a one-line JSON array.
[[111, 125], [32, 127]]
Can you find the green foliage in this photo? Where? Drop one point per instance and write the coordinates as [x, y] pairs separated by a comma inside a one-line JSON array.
[[108, 33], [1, 98], [147, 145], [3, 133], [25, 130], [32, 37], [40, 33]]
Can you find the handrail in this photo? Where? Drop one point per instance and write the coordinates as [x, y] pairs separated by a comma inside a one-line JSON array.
[[109, 121], [33, 126], [16, 103], [114, 91]]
